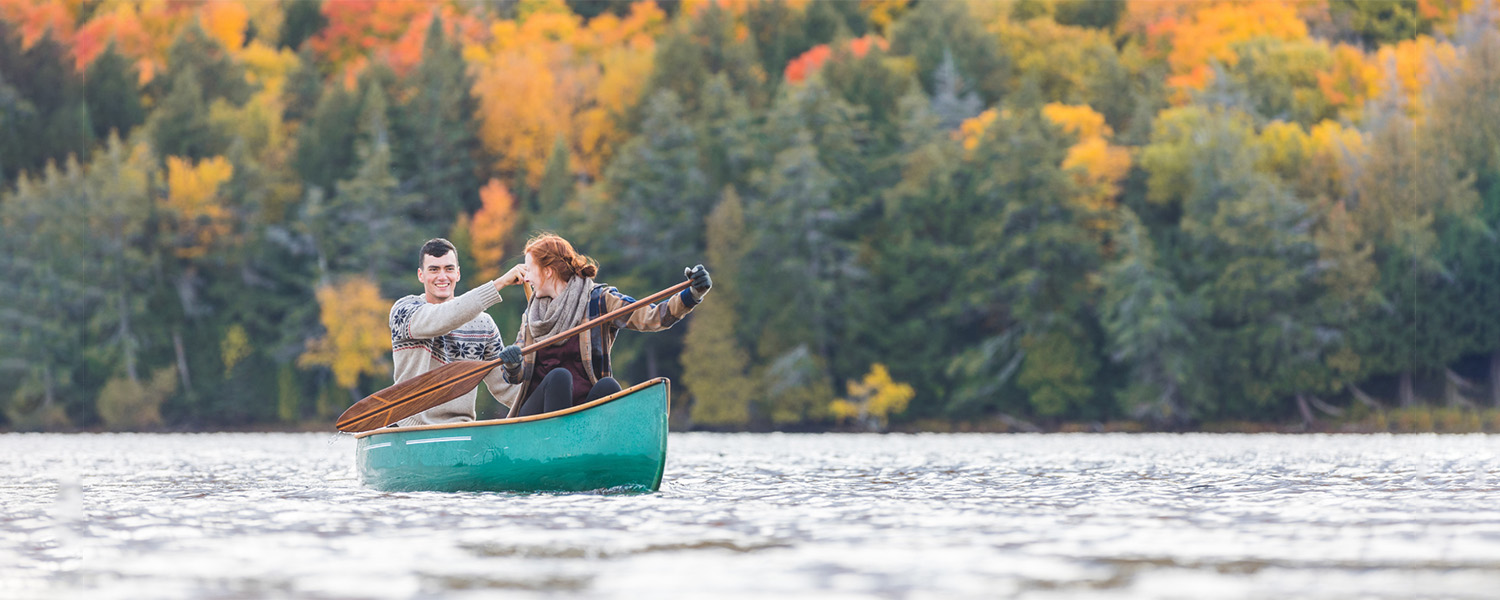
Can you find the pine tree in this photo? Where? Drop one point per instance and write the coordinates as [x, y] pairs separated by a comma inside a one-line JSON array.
[[435, 157], [933, 30], [1150, 323], [1031, 262], [714, 366], [112, 95], [952, 100], [658, 192], [49, 120], [366, 227]]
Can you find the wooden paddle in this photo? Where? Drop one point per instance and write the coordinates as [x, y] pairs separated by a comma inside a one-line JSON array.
[[457, 378]]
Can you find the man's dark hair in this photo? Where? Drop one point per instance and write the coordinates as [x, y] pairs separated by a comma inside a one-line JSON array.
[[436, 248]]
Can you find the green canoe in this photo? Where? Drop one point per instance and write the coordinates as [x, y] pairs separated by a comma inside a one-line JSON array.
[[617, 443]]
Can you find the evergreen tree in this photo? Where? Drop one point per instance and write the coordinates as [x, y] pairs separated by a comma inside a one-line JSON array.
[[1031, 263], [112, 95], [659, 194], [304, 19], [952, 100], [326, 142], [934, 29], [435, 128], [725, 134], [304, 88], [181, 125], [1150, 323], [1410, 200], [688, 57], [923, 226], [366, 227], [1464, 124], [1089, 13], [49, 120], [556, 188], [714, 366]]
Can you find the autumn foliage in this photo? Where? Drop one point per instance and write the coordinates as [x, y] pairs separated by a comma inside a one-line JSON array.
[[1169, 211]]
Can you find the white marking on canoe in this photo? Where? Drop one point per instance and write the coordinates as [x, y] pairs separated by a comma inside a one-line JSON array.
[[374, 446], [464, 438]]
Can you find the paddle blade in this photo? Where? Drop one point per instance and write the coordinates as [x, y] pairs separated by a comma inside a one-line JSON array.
[[414, 395]]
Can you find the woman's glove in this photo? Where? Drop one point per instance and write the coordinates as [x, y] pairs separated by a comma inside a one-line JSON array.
[[701, 281], [511, 356]]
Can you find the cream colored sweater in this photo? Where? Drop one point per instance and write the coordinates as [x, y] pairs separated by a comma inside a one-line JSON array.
[[424, 336]]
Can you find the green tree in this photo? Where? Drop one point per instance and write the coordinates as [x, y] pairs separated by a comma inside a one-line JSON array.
[[1376, 23], [1032, 262], [112, 95], [48, 120], [715, 367], [934, 29], [1466, 127], [435, 157], [1089, 13], [695, 51], [658, 193], [304, 19], [1411, 198], [1150, 325], [366, 227]]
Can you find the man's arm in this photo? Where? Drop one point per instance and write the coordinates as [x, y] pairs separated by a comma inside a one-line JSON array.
[[423, 321]]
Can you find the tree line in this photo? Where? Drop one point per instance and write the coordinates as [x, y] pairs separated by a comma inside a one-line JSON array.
[[918, 214]]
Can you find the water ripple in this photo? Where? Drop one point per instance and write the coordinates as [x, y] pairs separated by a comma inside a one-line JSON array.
[[897, 516]]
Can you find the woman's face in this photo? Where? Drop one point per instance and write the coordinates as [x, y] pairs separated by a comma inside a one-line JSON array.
[[542, 280]]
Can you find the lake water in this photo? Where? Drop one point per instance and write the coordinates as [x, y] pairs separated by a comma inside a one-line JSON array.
[[894, 516]]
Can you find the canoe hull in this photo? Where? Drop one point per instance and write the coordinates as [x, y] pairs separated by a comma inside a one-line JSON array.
[[615, 444]]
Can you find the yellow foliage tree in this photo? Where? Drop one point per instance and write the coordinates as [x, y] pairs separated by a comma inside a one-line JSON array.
[[354, 317], [199, 217], [1411, 65], [874, 399], [1349, 81], [234, 348], [128, 404], [225, 21], [971, 131], [1099, 166]]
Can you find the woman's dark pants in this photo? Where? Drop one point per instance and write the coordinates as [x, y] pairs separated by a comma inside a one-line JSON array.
[[556, 393]]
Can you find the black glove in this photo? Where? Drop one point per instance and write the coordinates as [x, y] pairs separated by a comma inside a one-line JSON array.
[[701, 282], [511, 356]]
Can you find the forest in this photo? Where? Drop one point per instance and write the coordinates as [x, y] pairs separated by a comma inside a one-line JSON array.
[[919, 215]]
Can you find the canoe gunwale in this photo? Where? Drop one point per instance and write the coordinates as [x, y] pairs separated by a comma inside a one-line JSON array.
[[489, 422]]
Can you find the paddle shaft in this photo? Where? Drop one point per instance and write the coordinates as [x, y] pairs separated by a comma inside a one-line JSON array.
[[605, 318]]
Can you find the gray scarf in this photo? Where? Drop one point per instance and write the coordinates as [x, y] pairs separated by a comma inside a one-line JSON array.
[[548, 316]]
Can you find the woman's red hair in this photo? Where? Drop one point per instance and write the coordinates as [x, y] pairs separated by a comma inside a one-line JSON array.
[[551, 251]]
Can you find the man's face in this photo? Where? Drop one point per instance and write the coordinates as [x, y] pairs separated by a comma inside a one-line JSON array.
[[439, 275]]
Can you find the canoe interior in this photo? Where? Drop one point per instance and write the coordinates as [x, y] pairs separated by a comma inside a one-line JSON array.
[[614, 444]]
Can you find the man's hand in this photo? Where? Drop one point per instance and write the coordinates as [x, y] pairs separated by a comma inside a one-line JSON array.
[[514, 276], [511, 356], [701, 281]]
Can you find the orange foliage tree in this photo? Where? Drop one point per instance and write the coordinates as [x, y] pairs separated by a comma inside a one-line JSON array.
[[491, 227], [1210, 34], [547, 75]]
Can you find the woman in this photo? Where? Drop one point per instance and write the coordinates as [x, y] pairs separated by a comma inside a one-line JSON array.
[[577, 370]]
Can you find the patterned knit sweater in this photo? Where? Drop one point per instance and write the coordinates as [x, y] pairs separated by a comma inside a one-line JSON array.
[[424, 336]]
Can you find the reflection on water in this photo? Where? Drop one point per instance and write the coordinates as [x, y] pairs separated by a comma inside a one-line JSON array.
[[899, 516]]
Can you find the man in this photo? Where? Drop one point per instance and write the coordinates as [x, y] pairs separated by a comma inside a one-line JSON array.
[[437, 328]]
